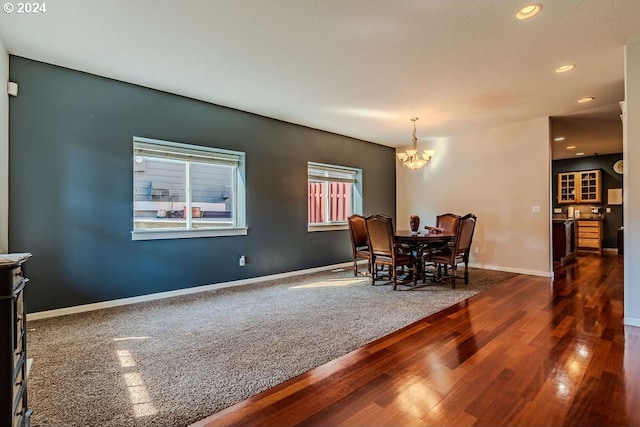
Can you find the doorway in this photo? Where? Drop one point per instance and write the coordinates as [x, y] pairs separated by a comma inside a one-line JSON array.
[[586, 178]]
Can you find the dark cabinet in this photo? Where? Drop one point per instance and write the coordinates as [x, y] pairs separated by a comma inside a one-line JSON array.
[[14, 411], [564, 240]]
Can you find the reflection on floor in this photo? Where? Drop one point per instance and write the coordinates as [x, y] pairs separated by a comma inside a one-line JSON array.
[[529, 351]]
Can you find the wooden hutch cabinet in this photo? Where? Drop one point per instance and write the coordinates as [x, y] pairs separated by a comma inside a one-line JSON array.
[[580, 187], [14, 411]]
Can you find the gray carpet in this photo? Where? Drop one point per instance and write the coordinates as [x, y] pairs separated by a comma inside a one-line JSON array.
[[174, 361]]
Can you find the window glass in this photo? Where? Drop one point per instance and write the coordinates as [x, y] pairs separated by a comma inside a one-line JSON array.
[[334, 194], [182, 188]]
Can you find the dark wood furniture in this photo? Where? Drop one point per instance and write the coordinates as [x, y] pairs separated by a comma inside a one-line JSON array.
[[423, 243], [14, 411], [458, 251], [620, 241], [448, 222], [385, 250], [359, 241], [565, 240], [423, 239]]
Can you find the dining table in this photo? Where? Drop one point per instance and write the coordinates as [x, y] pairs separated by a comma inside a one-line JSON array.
[[421, 242]]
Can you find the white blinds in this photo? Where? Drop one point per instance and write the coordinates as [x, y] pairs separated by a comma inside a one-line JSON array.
[[175, 151], [322, 172]]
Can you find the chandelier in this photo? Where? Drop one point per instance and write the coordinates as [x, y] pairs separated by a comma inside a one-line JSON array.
[[410, 158]]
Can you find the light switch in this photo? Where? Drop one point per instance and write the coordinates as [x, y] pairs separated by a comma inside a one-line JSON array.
[[535, 209]]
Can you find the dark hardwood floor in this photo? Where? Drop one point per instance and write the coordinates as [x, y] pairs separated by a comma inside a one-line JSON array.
[[530, 351]]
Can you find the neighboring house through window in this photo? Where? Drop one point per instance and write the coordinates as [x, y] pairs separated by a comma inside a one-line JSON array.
[[182, 190], [334, 193]]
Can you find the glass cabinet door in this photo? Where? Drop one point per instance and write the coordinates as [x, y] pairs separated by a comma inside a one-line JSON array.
[[566, 188], [590, 186]]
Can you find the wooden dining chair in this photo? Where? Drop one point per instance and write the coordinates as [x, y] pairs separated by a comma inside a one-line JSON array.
[[359, 242], [385, 251], [458, 252], [446, 223]]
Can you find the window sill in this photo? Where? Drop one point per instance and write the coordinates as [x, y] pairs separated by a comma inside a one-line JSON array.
[[327, 227], [187, 234]]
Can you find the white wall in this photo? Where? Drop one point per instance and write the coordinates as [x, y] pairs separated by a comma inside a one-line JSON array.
[[4, 149], [498, 174], [631, 184]]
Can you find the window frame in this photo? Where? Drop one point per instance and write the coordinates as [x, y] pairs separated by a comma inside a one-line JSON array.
[[189, 154], [334, 173]]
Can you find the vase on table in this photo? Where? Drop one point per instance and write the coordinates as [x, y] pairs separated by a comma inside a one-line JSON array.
[[414, 223]]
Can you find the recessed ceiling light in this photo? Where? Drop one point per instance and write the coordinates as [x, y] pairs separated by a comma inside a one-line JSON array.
[[559, 138], [565, 68], [580, 154], [571, 147], [586, 99], [529, 11]]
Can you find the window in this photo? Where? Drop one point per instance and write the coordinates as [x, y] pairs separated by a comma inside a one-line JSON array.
[[334, 193], [182, 190]]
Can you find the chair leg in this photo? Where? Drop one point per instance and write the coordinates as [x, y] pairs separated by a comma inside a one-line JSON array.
[[466, 272], [355, 268], [374, 274], [454, 269], [439, 277]]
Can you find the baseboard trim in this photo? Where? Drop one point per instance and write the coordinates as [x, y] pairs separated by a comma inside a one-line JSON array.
[[631, 321], [161, 295], [513, 270], [197, 289]]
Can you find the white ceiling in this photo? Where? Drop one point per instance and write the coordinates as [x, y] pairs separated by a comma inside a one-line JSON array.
[[360, 68]]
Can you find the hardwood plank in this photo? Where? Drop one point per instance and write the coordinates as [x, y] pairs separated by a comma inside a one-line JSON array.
[[529, 351]]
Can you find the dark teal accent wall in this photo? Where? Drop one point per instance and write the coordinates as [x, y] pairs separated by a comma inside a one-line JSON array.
[[610, 179], [70, 183]]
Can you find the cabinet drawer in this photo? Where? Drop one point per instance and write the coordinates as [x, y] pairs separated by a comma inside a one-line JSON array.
[[19, 324], [17, 276], [589, 243], [589, 224], [20, 303], [18, 402], [18, 354], [589, 234], [18, 382], [18, 421], [10, 279]]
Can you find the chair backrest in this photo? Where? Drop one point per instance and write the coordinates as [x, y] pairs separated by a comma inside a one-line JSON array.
[[358, 232], [448, 222], [381, 237], [464, 234]]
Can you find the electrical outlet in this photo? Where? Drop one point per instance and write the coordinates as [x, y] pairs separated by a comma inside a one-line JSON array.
[[608, 210], [476, 250], [241, 260]]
